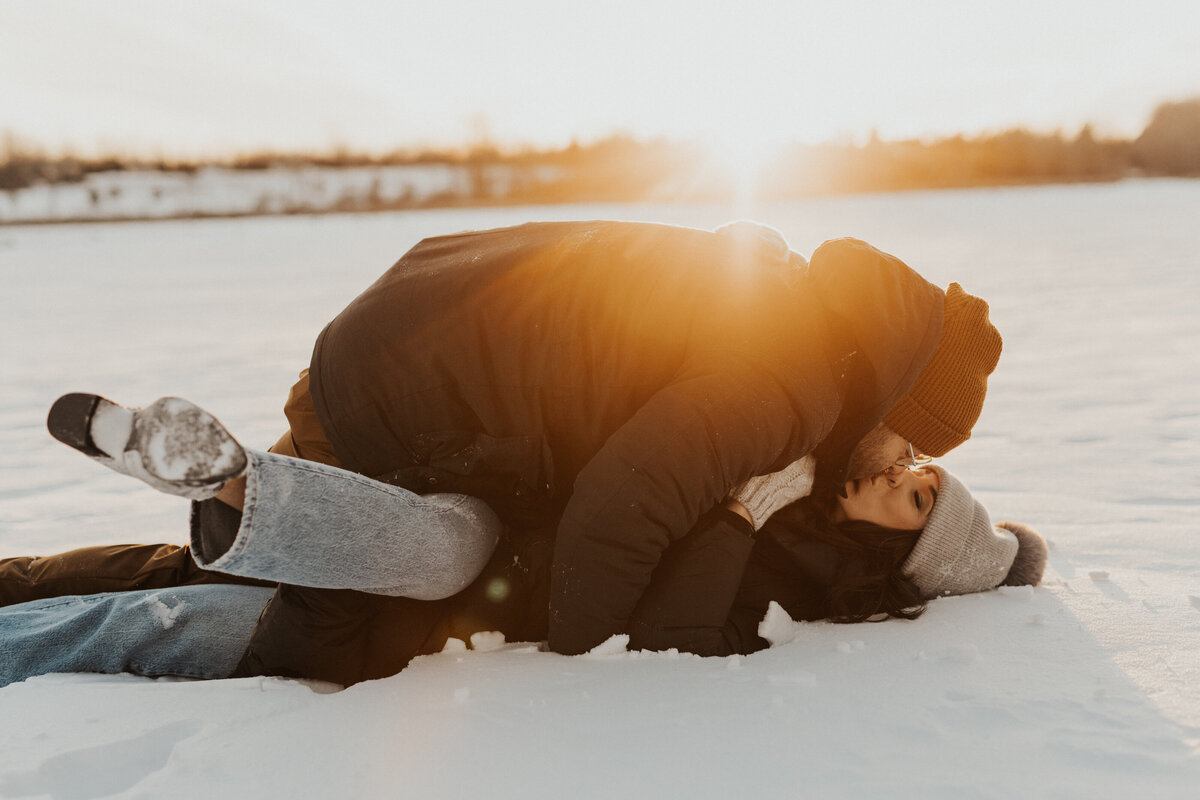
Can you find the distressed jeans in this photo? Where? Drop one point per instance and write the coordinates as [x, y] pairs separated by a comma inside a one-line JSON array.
[[314, 525], [302, 523], [190, 631]]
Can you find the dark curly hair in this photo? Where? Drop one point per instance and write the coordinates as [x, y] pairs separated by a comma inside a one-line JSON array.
[[867, 582]]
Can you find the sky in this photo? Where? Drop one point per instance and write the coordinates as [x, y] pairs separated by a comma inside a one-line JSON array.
[[212, 77]]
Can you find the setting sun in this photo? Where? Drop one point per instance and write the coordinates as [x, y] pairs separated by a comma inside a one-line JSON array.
[[742, 155]]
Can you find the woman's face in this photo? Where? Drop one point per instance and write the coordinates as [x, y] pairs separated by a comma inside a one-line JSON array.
[[897, 498]]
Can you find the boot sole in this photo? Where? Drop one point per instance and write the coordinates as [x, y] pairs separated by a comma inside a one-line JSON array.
[[173, 445], [183, 444]]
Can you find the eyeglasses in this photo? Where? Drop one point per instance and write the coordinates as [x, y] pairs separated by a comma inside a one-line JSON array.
[[913, 460]]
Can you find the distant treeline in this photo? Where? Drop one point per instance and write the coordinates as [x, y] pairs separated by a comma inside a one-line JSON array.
[[1169, 146], [621, 168]]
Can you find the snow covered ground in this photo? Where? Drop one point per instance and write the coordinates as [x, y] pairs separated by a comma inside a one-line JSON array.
[[1086, 687]]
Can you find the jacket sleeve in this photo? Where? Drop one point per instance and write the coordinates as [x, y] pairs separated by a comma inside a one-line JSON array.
[[713, 587], [689, 604], [672, 461]]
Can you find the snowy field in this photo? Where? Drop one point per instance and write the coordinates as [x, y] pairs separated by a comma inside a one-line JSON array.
[[1086, 687]]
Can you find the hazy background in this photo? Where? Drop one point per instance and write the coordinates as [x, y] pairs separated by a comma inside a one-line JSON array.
[[204, 79]]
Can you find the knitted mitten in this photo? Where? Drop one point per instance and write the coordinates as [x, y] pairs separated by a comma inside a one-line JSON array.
[[763, 495]]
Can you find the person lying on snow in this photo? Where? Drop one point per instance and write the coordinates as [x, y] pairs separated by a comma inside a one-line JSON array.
[[595, 392], [823, 557]]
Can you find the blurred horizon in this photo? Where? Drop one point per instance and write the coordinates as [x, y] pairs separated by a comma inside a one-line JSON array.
[[220, 79], [15, 143], [35, 187]]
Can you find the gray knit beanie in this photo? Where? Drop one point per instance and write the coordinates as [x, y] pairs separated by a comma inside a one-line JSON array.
[[960, 551]]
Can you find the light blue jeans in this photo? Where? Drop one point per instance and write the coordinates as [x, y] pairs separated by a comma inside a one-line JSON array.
[[302, 523], [192, 631], [314, 525]]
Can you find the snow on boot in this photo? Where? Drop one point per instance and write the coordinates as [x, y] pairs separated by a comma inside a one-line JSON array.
[[171, 444]]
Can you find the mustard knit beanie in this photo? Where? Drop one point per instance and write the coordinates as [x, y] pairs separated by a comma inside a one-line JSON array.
[[960, 551], [941, 408]]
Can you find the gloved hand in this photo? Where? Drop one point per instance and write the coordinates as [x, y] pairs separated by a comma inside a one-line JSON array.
[[763, 495]]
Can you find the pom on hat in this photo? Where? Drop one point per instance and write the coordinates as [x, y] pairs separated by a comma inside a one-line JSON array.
[[1030, 563], [940, 410], [959, 551]]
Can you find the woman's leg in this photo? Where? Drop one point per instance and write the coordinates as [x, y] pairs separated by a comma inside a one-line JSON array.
[[191, 631], [304, 522], [314, 525]]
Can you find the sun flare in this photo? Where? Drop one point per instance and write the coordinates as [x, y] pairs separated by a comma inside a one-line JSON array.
[[741, 157]]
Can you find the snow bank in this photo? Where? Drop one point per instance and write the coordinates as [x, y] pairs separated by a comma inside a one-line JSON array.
[[219, 191]]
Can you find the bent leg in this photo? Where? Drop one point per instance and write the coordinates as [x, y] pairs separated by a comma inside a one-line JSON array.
[[303, 439], [314, 525], [190, 631]]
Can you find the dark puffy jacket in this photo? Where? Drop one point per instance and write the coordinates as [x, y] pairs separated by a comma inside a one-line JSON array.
[[707, 596], [607, 383]]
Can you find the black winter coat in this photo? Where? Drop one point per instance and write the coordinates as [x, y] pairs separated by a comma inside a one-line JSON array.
[[603, 385], [707, 596]]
